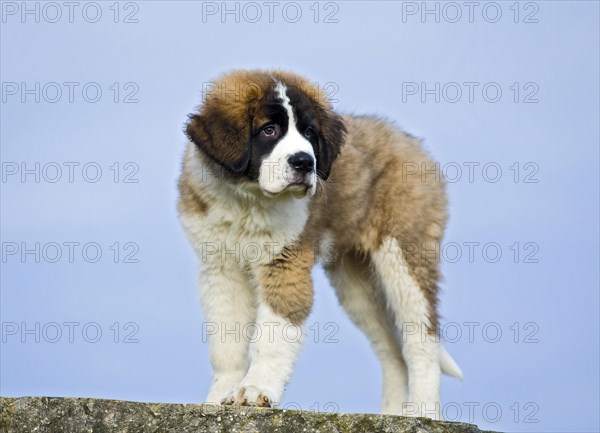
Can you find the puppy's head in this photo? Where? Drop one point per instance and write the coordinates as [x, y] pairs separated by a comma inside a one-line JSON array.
[[274, 129]]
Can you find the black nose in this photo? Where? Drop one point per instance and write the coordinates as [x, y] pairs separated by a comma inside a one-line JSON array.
[[302, 162]]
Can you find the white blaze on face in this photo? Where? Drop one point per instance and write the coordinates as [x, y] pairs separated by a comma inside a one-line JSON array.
[[276, 174]]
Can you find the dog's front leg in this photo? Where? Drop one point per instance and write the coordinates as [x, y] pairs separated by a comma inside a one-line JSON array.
[[229, 307], [285, 299]]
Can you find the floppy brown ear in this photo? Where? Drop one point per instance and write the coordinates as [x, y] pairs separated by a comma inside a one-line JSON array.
[[223, 141], [331, 139]]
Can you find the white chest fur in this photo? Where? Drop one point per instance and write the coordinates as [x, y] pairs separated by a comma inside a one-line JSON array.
[[245, 229]]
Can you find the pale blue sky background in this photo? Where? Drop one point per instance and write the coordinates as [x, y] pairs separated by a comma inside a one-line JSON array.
[[545, 378]]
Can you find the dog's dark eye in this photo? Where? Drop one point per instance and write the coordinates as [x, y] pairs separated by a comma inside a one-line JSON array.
[[270, 131], [309, 132]]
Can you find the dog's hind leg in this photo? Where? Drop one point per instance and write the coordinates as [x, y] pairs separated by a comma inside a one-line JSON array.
[[410, 288], [351, 276]]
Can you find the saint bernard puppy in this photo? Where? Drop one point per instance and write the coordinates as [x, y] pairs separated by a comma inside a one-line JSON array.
[[274, 181]]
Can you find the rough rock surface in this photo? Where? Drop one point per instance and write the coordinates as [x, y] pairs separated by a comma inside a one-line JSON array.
[[88, 415]]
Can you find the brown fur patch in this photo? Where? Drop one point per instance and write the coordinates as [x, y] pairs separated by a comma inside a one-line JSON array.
[[190, 201], [286, 282]]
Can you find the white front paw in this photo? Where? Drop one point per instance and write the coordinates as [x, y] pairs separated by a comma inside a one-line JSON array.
[[248, 395], [221, 385]]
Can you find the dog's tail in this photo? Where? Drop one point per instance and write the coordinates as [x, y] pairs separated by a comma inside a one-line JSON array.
[[449, 365]]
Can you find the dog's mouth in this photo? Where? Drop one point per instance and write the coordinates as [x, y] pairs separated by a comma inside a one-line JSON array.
[[297, 189], [300, 189]]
